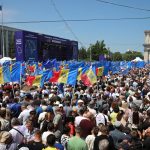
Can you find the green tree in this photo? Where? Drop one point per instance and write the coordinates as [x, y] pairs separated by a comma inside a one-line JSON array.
[[97, 49], [130, 55], [117, 56], [82, 54]]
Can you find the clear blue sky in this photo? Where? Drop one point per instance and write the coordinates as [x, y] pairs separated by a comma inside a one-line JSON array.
[[118, 35]]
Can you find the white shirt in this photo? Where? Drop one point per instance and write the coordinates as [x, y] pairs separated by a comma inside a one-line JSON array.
[[29, 136], [100, 118], [90, 141], [41, 117], [17, 137], [24, 116], [93, 111], [78, 120], [44, 136]]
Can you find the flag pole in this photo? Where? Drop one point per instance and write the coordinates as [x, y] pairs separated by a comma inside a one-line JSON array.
[[20, 75], [3, 48]]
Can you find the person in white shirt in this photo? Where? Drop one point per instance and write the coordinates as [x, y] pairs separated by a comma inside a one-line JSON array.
[[29, 131], [80, 117], [50, 128], [17, 131], [24, 114], [101, 118]]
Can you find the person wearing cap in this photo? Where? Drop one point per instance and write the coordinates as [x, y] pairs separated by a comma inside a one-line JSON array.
[[6, 141], [80, 104], [61, 108]]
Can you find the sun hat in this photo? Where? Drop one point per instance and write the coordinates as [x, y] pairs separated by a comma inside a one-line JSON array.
[[80, 101]]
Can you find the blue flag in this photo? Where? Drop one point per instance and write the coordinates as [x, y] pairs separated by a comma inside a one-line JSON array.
[[16, 72], [6, 73], [72, 77]]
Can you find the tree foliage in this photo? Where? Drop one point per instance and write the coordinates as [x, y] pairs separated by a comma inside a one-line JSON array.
[[117, 56], [82, 54], [130, 55], [99, 48]]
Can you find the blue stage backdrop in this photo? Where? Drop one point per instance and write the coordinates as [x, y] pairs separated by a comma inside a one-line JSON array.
[[32, 46]]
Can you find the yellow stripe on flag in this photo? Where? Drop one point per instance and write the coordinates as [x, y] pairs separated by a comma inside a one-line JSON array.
[[10, 68], [63, 76], [91, 76], [37, 80], [79, 74], [1, 76]]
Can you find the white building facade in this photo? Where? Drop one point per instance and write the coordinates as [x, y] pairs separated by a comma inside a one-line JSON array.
[[147, 46]]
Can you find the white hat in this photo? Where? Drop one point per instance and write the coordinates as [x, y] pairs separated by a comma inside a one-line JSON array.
[[80, 101], [24, 148], [117, 94], [60, 105]]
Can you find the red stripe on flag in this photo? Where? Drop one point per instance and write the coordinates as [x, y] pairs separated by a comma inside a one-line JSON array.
[[55, 76], [85, 80], [29, 80]]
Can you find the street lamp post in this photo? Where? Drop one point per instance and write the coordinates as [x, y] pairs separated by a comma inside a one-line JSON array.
[[90, 55]]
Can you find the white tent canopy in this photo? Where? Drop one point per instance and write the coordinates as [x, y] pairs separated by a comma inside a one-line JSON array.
[[137, 59], [5, 59]]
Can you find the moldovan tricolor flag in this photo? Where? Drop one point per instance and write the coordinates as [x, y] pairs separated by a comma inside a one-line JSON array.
[[68, 76], [99, 71], [63, 76], [55, 76], [81, 71], [34, 80], [89, 78]]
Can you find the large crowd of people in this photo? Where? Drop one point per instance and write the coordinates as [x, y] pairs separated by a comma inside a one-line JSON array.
[[113, 114]]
